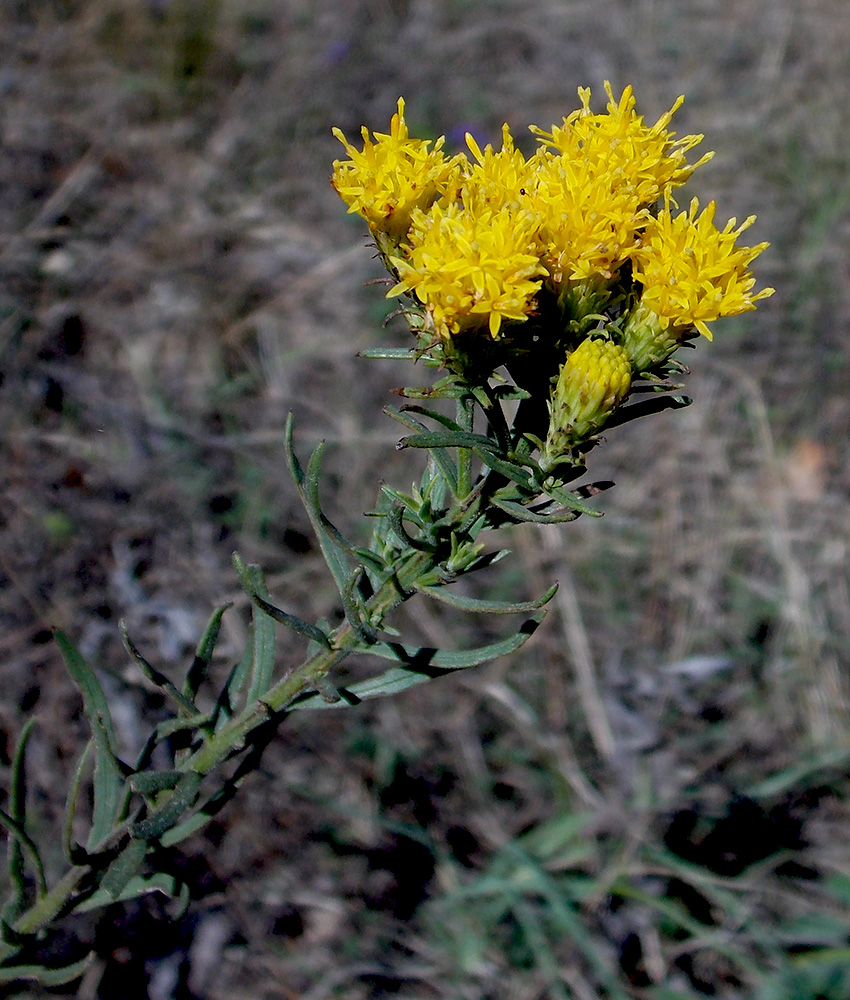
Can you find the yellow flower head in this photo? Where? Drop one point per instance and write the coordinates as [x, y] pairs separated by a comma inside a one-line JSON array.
[[693, 273], [593, 381], [646, 162], [588, 223], [391, 176], [496, 179], [470, 269]]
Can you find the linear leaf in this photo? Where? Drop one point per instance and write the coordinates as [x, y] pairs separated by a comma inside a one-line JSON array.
[[418, 665], [204, 652], [447, 439], [487, 607], [520, 513], [440, 418], [18, 803], [569, 499], [148, 782], [70, 848], [445, 463], [307, 484], [124, 868], [262, 636], [18, 834], [291, 621], [388, 354], [47, 977], [108, 779], [182, 798], [184, 705], [354, 612], [511, 470], [141, 885]]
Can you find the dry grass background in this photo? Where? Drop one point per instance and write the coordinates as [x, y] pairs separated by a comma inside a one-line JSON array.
[[176, 275]]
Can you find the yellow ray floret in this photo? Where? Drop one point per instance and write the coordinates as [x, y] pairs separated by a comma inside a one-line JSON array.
[[391, 176], [470, 269], [693, 273]]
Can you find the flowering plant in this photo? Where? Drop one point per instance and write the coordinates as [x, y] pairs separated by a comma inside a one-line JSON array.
[[545, 293]]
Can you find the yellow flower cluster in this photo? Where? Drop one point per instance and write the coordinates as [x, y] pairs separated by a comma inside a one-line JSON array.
[[390, 177], [693, 273], [470, 268], [481, 241]]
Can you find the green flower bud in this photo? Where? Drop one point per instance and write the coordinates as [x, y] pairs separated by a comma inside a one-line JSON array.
[[592, 383], [647, 340]]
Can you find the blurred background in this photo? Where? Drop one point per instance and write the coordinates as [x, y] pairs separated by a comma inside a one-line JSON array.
[[650, 799]]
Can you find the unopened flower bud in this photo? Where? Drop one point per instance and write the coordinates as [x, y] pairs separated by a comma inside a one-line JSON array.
[[647, 340], [592, 383]]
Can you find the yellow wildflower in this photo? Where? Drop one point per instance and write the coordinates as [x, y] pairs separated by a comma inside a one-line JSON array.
[[391, 176], [470, 269], [646, 162], [594, 380], [588, 223], [693, 273], [496, 179]]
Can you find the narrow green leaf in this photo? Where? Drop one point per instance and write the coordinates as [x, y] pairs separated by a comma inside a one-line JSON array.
[[388, 354], [334, 555], [418, 665], [440, 418], [124, 868], [291, 621], [307, 484], [487, 607], [354, 612], [447, 439], [262, 636], [510, 470], [228, 697], [141, 885], [18, 803], [70, 848], [45, 976], [182, 798], [17, 833], [149, 782], [168, 727], [204, 652], [108, 789], [520, 513], [184, 705], [445, 463], [108, 779], [395, 519], [96, 705], [570, 499]]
